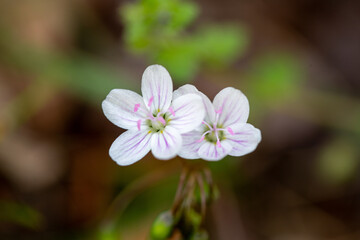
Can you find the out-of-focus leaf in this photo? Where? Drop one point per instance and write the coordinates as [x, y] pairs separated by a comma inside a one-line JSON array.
[[150, 23], [219, 45], [76, 72], [338, 161], [84, 76], [180, 59], [156, 29], [108, 232], [20, 214], [275, 78]]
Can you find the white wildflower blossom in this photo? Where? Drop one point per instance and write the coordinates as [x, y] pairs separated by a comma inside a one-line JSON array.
[[224, 131], [155, 120]]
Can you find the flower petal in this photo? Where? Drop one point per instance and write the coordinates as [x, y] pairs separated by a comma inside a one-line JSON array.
[[211, 152], [209, 108], [166, 144], [191, 145], [187, 112], [124, 108], [156, 88], [233, 105], [185, 89], [130, 147], [244, 139]]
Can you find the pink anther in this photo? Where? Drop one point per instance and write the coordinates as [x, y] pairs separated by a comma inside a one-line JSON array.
[[201, 139], [136, 107], [218, 143], [172, 111], [219, 110], [162, 120], [138, 124], [230, 131], [150, 101]]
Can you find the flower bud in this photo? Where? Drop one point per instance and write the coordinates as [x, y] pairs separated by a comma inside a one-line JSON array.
[[162, 226]]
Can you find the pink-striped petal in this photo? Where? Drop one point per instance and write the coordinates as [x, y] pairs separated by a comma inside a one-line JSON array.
[[189, 113], [244, 140], [191, 145], [124, 108], [130, 147], [233, 106], [209, 108], [156, 88], [213, 152], [166, 144], [185, 89]]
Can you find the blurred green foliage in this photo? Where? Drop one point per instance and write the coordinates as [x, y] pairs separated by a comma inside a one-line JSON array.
[[20, 214], [163, 31], [107, 232], [338, 161], [157, 30], [275, 78], [77, 72]]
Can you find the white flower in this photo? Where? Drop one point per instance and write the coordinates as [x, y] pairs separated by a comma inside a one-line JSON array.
[[154, 121], [224, 130]]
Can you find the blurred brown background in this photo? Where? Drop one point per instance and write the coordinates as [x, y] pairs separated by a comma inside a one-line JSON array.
[[297, 62]]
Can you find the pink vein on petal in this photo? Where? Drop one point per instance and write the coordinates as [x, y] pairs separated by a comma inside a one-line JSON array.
[[150, 101], [138, 124], [166, 142], [172, 111], [137, 144]]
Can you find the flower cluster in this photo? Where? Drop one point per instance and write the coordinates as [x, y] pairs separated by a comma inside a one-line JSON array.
[[183, 122]]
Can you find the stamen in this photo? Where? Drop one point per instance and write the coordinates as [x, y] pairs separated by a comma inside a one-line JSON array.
[[136, 107], [218, 112], [208, 125], [230, 131], [203, 136], [172, 111], [138, 124], [150, 101], [218, 143], [201, 139], [217, 139]]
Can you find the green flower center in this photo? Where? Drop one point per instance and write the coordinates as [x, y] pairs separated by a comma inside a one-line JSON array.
[[158, 122]]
